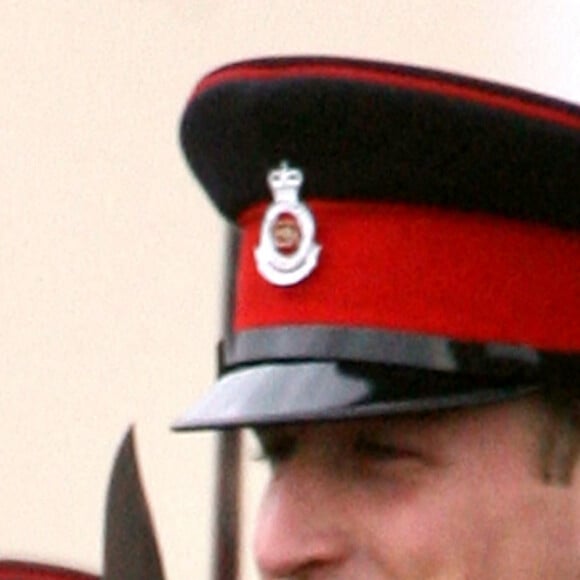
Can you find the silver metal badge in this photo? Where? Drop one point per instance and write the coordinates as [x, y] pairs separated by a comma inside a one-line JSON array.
[[287, 252]]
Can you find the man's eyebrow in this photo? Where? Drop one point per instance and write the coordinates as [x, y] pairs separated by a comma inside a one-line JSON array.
[[418, 425]]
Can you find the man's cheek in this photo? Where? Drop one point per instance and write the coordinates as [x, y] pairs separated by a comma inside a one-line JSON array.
[[412, 543]]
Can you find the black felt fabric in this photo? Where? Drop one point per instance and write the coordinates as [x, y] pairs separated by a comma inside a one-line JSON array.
[[363, 140]]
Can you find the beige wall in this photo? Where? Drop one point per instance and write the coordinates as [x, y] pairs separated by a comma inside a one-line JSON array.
[[110, 258]]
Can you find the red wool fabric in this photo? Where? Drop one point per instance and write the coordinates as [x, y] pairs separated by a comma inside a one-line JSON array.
[[425, 270], [16, 570]]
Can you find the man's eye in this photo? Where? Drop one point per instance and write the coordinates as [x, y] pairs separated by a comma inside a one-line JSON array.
[[374, 448]]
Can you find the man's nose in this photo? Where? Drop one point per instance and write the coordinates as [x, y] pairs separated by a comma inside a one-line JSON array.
[[300, 525]]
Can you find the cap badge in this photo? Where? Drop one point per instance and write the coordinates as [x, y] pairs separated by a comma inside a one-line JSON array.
[[287, 252]]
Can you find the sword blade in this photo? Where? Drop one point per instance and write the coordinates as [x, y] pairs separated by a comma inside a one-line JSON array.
[[131, 550]]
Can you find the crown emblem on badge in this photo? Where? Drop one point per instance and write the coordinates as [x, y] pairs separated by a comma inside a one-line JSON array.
[[287, 252], [285, 183]]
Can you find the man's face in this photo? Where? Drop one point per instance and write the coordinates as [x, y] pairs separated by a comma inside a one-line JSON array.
[[454, 495]]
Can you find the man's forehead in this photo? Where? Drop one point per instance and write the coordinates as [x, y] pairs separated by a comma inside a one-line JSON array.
[[492, 417], [412, 423]]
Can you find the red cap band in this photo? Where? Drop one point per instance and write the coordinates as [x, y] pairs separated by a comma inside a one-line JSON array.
[[423, 270]]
